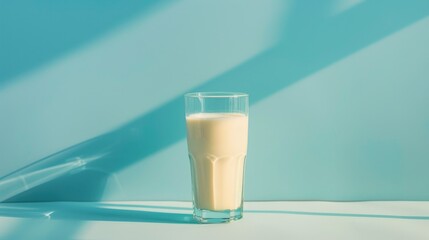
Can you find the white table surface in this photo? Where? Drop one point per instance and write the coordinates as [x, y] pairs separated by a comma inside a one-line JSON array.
[[172, 220]]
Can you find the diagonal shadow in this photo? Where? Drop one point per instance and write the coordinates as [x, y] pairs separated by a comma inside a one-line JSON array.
[[73, 216], [99, 211], [35, 32], [94, 211], [310, 41]]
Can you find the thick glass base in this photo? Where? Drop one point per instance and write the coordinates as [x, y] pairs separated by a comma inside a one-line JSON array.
[[223, 216]]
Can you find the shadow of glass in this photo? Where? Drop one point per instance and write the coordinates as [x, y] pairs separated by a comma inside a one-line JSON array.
[[71, 175], [92, 211], [83, 185], [311, 40], [330, 214]]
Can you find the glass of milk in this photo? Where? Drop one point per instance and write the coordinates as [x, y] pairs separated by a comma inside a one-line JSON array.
[[217, 126]]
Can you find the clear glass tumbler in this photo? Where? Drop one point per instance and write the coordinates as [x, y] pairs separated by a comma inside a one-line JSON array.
[[217, 130]]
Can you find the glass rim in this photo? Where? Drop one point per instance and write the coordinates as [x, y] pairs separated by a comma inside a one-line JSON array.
[[216, 94]]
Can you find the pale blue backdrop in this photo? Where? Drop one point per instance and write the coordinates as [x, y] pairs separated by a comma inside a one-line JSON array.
[[91, 104]]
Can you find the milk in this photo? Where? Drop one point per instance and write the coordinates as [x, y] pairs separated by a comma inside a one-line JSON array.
[[217, 144]]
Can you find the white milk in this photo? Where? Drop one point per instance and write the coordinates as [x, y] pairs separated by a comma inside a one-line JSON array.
[[217, 144]]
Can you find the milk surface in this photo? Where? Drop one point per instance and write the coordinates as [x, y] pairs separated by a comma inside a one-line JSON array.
[[217, 144]]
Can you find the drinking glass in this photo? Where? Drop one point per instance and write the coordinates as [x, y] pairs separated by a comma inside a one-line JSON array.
[[217, 132]]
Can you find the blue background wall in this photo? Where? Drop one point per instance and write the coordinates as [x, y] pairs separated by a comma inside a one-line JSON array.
[[91, 96]]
